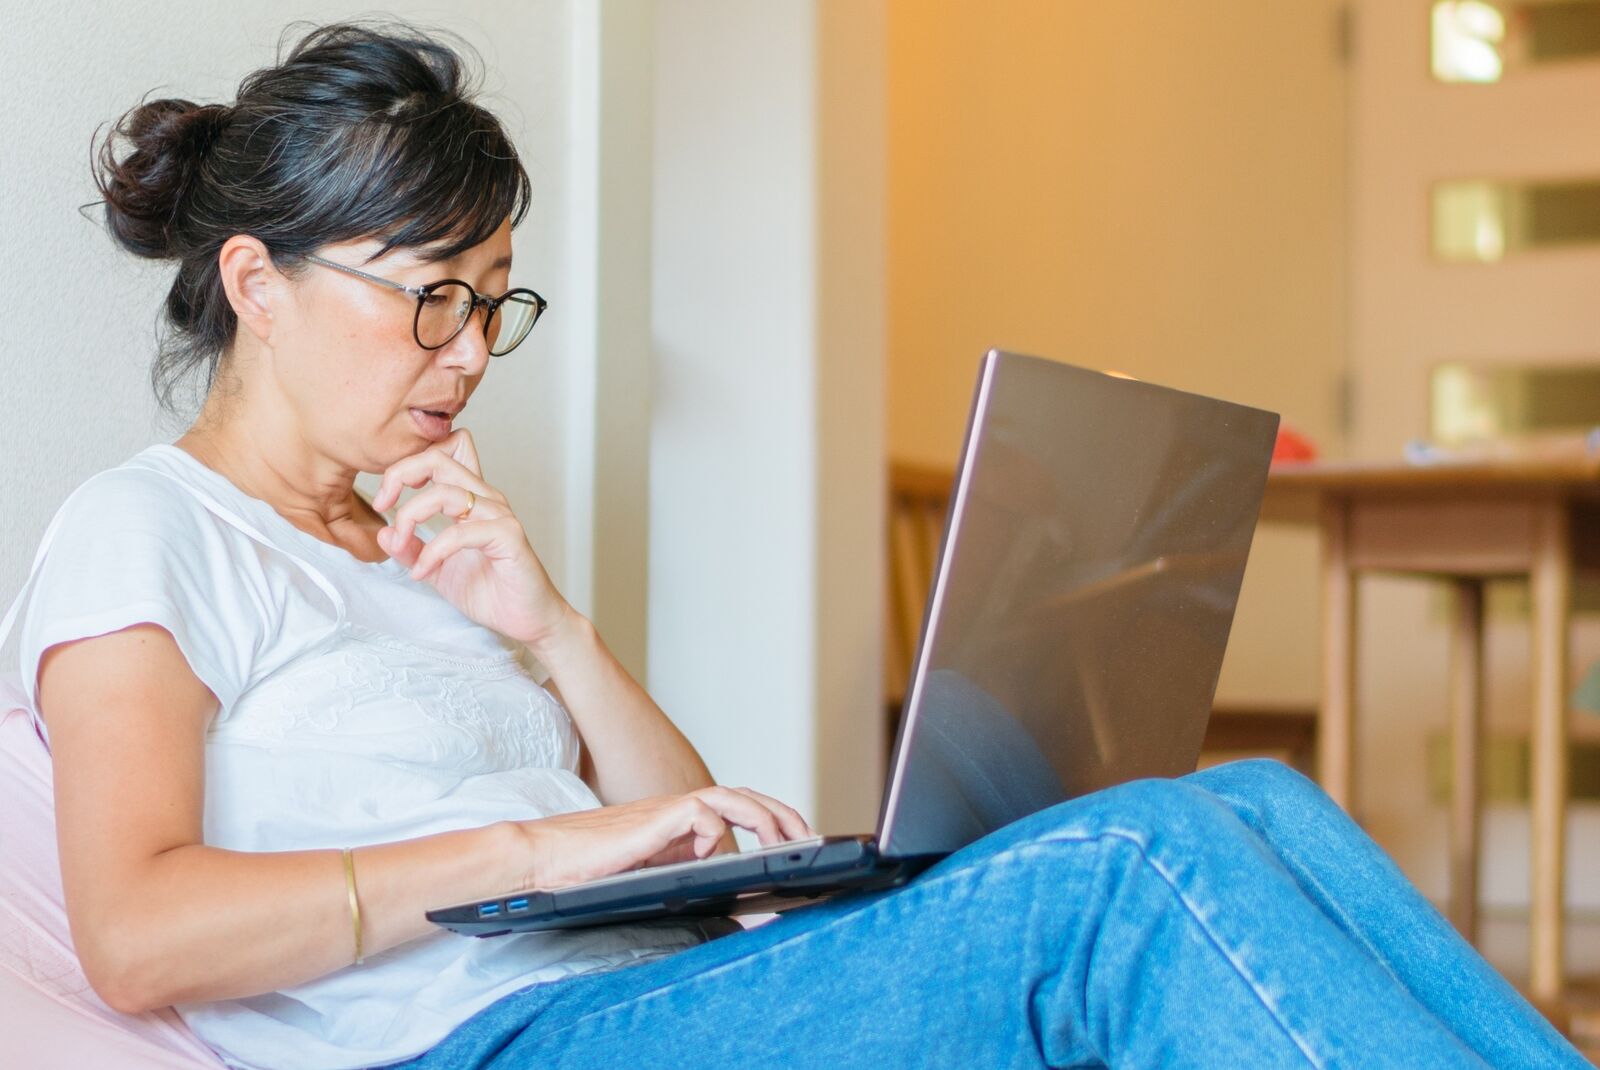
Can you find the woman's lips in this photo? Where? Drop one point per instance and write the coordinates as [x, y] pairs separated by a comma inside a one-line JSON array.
[[434, 427]]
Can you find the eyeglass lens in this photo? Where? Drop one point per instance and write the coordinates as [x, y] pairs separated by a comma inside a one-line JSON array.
[[447, 306]]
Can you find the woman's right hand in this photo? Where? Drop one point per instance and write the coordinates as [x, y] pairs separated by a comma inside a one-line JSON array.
[[589, 844]]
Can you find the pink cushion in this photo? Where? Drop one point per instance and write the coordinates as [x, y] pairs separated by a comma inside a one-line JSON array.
[[49, 1015]]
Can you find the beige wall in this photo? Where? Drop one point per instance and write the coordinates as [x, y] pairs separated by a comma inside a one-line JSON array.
[[1140, 185], [1147, 186], [1408, 312], [850, 412]]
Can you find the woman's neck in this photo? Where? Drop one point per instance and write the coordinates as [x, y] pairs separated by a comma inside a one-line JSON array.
[[315, 495]]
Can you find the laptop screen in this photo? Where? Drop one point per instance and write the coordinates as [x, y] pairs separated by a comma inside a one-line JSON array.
[[1081, 604]]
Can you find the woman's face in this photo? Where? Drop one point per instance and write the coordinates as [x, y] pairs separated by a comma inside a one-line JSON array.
[[348, 363]]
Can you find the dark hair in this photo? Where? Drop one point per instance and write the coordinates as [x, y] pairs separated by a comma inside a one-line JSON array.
[[364, 129]]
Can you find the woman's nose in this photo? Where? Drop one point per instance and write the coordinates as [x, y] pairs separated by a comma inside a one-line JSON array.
[[470, 348]]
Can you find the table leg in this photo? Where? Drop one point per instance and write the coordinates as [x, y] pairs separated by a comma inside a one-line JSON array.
[[1466, 742], [1336, 717], [1552, 584]]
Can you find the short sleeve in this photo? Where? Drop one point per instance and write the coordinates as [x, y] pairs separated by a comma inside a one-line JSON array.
[[132, 546]]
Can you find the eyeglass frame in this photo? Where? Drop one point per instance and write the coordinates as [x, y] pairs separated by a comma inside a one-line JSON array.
[[492, 304]]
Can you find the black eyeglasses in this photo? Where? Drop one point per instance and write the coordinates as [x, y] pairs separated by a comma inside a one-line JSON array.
[[444, 307]]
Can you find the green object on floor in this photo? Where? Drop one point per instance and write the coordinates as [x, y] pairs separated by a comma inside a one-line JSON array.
[[1587, 696]]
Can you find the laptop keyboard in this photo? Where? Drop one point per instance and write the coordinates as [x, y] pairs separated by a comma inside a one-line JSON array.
[[757, 852]]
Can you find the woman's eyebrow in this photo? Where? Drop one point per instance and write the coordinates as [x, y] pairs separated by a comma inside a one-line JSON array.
[[503, 262], [419, 261]]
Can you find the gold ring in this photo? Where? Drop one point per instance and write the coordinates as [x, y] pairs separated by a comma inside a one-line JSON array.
[[472, 499]]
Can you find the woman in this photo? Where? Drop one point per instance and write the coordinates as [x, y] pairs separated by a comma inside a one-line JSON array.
[[283, 723]]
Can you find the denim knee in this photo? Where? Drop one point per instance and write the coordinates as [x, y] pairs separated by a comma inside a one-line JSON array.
[[1171, 807], [1262, 786], [1204, 806]]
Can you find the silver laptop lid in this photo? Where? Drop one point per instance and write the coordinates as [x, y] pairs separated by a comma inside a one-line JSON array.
[[1080, 607]]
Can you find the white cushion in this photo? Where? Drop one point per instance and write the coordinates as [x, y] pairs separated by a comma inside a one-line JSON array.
[[49, 1015]]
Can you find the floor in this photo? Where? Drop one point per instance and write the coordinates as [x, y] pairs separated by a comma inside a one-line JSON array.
[[1583, 1003]]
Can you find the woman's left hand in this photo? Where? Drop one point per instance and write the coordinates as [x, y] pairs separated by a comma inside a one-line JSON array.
[[483, 564]]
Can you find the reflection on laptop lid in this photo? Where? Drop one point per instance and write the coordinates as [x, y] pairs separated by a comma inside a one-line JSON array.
[[1085, 587]]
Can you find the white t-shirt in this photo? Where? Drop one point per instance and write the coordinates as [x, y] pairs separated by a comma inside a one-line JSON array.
[[357, 706]]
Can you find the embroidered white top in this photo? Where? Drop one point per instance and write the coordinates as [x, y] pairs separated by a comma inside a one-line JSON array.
[[357, 706]]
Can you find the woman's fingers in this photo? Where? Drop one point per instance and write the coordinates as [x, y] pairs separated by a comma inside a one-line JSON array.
[[404, 551], [437, 462], [447, 499], [496, 538], [745, 811], [459, 445], [795, 827], [707, 826], [654, 831]]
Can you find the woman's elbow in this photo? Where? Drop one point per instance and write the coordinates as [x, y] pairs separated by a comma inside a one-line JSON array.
[[127, 1000], [124, 980]]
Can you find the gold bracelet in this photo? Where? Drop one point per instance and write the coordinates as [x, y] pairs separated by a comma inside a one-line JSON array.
[[355, 907]]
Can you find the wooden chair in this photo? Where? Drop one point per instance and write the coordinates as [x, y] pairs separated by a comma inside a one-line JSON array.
[[919, 502]]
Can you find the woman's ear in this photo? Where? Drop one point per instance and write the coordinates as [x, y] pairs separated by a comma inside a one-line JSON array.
[[253, 284]]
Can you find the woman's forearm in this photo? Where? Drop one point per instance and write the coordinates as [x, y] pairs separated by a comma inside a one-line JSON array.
[[635, 749], [200, 923]]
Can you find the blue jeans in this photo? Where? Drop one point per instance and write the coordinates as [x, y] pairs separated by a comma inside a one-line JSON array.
[[1232, 918]]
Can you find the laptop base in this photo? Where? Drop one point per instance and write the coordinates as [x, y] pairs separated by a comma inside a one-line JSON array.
[[755, 882]]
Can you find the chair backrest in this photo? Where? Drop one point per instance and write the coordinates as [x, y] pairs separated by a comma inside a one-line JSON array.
[[919, 506]]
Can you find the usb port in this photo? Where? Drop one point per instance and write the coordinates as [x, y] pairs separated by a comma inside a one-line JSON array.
[[488, 910], [517, 904]]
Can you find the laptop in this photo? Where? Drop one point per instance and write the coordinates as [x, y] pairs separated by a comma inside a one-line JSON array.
[[1084, 589]]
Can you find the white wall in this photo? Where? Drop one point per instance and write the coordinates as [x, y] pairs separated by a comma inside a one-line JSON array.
[[608, 358], [765, 572]]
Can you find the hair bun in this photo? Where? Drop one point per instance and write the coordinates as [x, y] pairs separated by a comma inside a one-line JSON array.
[[169, 138]]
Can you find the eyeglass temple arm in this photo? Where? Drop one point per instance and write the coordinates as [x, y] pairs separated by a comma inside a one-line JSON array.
[[415, 291], [489, 303]]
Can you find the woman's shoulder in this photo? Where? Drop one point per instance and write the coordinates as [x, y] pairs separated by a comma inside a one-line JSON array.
[[162, 514], [161, 528], [148, 495], [133, 490], [134, 543], [132, 520]]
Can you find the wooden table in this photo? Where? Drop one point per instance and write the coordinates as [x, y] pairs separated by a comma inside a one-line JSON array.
[[1463, 523]]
